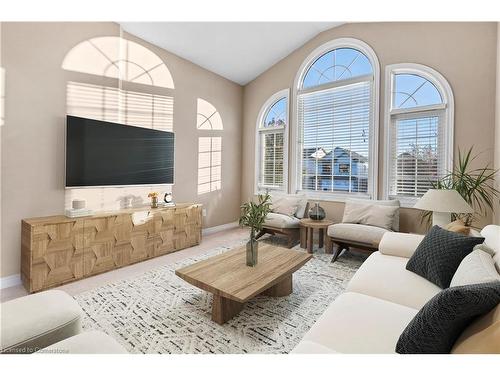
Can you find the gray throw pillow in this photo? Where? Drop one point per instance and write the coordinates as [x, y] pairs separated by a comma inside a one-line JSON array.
[[439, 254], [440, 322]]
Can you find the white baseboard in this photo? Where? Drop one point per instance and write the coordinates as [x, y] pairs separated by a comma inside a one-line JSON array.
[[219, 228], [9, 281]]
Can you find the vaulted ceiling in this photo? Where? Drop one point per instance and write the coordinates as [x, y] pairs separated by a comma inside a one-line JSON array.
[[238, 51]]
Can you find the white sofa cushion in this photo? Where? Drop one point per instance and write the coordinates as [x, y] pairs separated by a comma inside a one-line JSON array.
[[357, 232], [281, 221], [491, 234], [38, 320], [93, 342], [399, 244], [476, 268], [311, 347], [386, 277], [356, 323]]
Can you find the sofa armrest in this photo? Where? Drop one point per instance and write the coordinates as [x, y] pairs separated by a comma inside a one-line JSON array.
[[399, 244]]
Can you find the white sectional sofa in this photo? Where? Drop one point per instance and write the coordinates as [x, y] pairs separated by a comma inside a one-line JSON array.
[[49, 322], [382, 298]]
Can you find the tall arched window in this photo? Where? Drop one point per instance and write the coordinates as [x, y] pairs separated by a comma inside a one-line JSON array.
[[337, 121], [271, 143], [419, 130]]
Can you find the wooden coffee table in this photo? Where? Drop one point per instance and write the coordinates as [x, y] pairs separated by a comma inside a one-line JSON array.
[[233, 283], [307, 227]]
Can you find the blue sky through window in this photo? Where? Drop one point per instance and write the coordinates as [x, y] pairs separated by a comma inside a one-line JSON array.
[[276, 116], [411, 91], [336, 65]]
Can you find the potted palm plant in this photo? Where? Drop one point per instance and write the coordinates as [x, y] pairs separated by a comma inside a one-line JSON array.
[[475, 185], [253, 216]]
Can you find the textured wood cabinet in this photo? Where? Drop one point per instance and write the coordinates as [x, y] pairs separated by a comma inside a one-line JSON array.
[[57, 249]]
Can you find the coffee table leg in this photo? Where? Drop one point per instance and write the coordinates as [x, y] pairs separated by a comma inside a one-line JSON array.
[[282, 289], [321, 237], [223, 309], [310, 235]]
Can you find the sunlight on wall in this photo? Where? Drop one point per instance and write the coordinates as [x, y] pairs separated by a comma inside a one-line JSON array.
[[209, 164], [115, 57], [208, 118], [114, 198], [115, 105]]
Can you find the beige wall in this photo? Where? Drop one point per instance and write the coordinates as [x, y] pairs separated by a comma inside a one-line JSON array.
[[32, 144], [465, 53], [496, 218]]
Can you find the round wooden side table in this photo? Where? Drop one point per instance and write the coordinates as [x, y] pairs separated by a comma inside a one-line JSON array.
[[307, 227]]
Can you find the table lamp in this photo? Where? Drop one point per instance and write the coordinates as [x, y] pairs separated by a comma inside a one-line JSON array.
[[442, 203]]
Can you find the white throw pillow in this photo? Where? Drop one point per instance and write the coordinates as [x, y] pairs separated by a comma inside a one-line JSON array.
[[388, 202], [370, 214], [286, 206], [476, 268], [291, 205]]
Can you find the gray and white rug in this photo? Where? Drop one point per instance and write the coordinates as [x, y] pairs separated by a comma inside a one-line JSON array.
[[157, 312]]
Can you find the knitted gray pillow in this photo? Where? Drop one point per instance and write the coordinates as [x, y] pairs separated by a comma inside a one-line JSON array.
[[440, 322], [439, 254]]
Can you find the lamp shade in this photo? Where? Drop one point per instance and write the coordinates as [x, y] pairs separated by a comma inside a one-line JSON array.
[[441, 200]]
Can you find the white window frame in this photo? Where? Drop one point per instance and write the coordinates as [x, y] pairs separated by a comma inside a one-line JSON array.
[[444, 88], [285, 93], [374, 135]]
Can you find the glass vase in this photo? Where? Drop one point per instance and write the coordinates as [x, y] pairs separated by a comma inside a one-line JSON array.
[[317, 212], [252, 251]]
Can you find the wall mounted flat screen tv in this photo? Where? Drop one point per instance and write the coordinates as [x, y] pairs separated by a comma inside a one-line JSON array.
[[100, 153]]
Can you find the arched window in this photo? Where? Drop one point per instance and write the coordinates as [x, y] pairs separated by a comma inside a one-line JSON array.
[[419, 130], [337, 116], [209, 121], [271, 141]]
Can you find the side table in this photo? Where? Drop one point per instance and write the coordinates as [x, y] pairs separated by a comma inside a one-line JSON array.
[[307, 227]]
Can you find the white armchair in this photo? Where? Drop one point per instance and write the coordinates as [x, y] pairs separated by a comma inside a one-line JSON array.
[[285, 218]]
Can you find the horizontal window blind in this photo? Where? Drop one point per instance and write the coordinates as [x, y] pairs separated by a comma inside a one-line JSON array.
[[417, 153], [271, 170], [334, 130], [115, 105]]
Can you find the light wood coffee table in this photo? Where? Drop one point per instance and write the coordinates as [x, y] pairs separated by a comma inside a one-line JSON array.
[[233, 283]]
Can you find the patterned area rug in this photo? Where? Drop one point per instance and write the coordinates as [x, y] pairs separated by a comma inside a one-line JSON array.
[[157, 312]]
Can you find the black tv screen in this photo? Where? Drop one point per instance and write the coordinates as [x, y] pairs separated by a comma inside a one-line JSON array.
[[100, 153]]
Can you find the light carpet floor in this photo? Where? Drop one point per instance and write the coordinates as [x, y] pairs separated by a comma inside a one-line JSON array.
[[157, 312]]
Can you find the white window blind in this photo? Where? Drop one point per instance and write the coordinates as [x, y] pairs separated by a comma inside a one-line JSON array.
[[335, 138], [418, 156], [271, 159], [271, 142]]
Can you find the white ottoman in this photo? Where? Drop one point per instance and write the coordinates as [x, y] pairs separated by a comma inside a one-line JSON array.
[[36, 321], [93, 342]]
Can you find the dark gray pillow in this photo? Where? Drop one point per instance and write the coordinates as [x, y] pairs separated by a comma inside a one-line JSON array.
[[439, 254], [440, 322]]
